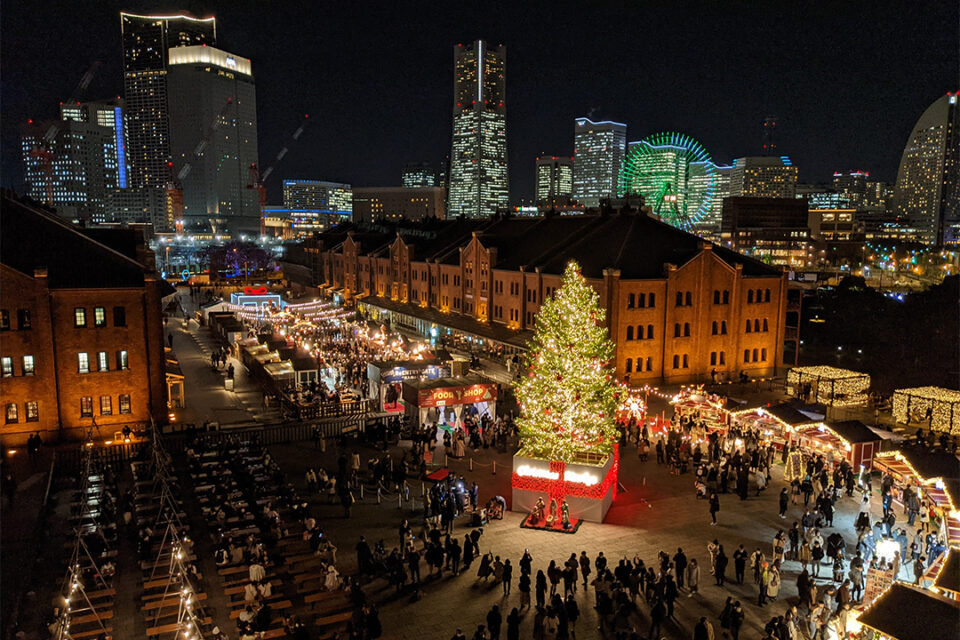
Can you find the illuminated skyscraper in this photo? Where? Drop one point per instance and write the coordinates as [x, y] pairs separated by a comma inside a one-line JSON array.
[[213, 135], [146, 40], [478, 157], [419, 174], [928, 186], [852, 185], [554, 179], [598, 149], [332, 198], [763, 177]]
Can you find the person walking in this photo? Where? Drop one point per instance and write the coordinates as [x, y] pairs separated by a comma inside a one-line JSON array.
[[573, 614], [680, 563], [657, 614], [541, 586], [736, 620], [714, 508], [740, 563], [712, 548], [584, 567], [693, 577], [494, 620], [763, 585], [721, 566], [784, 501], [703, 630], [507, 577], [523, 586]]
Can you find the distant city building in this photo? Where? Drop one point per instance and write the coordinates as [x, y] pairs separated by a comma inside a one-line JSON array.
[[554, 179], [333, 198], [819, 196], [710, 225], [774, 230], [928, 185], [852, 184], [213, 135], [421, 174], [479, 183], [598, 151], [109, 114], [763, 177], [371, 204], [878, 196], [71, 165], [279, 221], [146, 41]]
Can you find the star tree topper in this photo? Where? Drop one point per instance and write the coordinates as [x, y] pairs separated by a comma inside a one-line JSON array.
[[567, 396]]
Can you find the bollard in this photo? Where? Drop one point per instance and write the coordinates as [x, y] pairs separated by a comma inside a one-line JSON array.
[[406, 490], [399, 500], [422, 490], [361, 491], [494, 467], [379, 496], [644, 480], [471, 464], [446, 462]]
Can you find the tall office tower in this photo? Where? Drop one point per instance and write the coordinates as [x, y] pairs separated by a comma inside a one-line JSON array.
[[763, 177], [554, 179], [852, 185], [318, 196], [419, 174], [877, 196], [146, 40], [213, 135], [109, 114], [769, 136], [598, 150], [928, 186], [69, 165], [478, 156], [710, 225]]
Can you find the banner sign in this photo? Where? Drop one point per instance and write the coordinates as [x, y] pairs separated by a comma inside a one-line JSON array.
[[446, 396]]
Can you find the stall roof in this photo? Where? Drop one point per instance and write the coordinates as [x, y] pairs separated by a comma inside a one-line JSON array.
[[852, 431], [279, 368], [387, 365], [437, 383], [887, 614], [949, 577], [788, 414], [304, 362]]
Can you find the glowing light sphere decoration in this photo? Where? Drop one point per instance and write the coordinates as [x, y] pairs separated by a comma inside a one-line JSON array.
[[568, 403], [674, 174]]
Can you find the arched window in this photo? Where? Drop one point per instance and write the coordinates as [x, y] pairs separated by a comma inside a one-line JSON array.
[[630, 332], [679, 298], [689, 298], [713, 330], [639, 332], [756, 325], [649, 364], [716, 296], [630, 301], [765, 326], [652, 300], [746, 355], [676, 330], [750, 296], [766, 295], [649, 332], [726, 296], [756, 354], [676, 361], [686, 329], [723, 327], [749, 326], [763, 355], [629, 367], [684, 361]]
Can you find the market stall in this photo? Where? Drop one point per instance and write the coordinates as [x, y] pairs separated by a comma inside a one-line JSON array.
[[933, 475], [905, 612], [829, 385], [934, 407], [443, 401], [281, 373], [386, 378], [849, 439], [696, 404], [944, 574], [775, 423]]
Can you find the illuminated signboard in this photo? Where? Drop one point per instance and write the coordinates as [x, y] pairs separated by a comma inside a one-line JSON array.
[[444, 396]]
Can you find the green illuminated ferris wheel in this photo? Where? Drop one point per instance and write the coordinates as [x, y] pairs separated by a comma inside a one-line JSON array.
[[674, 174]]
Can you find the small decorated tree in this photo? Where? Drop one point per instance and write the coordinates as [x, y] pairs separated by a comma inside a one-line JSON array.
[[567, 396]]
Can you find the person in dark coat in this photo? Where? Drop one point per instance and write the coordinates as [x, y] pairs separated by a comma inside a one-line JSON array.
[[714, 507], [721, 566], [494, 620], [513, 625], [657, 614], [736, 620]]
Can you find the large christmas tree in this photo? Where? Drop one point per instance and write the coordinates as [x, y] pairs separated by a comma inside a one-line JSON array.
[[567, 395]]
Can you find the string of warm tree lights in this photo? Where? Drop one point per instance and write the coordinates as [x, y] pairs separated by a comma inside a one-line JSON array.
[[943, 405], [567, 396]]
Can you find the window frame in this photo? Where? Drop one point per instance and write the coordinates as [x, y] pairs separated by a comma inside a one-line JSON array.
[[11, 413], [123, 403], [79, 318], [34, 415], [99, 317], [83, 362], [32, 370], [86, 406]]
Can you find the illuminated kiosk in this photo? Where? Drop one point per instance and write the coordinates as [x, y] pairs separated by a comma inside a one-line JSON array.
[[589, 489], [566, 469]]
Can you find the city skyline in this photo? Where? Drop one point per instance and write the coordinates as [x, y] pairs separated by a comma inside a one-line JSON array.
[[724, 112]]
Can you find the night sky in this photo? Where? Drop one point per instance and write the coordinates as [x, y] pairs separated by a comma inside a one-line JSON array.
[[847, 80]]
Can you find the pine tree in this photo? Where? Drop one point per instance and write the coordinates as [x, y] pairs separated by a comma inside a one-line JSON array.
[[567, 396]]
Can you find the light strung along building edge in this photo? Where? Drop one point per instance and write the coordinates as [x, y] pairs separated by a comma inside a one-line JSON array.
[[566, 468]]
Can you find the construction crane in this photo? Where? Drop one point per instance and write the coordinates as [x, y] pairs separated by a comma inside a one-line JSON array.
[[174, 189], [44, 150], [258, 180]]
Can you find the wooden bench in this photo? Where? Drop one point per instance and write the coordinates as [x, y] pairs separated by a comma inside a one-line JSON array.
[[102, 593], [232, 591], [169, 628], [276, 595], [328, 597], [92, 633], [337, 618], [168, 602], [106, 614], [274, 606]]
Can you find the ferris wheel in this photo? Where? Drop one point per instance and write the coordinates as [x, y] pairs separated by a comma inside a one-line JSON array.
[[674, 174]]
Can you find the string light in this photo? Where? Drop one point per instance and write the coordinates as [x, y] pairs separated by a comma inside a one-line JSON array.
[[912, 405], [835, 387]]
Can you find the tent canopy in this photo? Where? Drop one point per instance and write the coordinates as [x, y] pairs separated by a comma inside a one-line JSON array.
[[887, 614]]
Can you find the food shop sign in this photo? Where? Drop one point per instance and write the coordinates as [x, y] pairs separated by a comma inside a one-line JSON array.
[[444, 396]]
